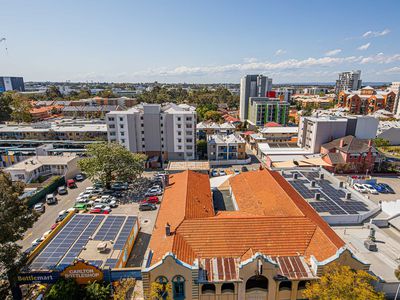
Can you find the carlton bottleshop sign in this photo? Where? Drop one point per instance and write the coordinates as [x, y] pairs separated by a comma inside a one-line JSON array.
[[82, 272]]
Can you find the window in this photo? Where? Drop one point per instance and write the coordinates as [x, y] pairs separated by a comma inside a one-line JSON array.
[[110, 119], [142, 139], [189, 147], [179, 140], [121, 126], [122, 140], [189, 140], [163, 281], [112, 133], [141, 117], [179, 147], [189, 126], [189, 132], [179, 118], [189, 153], [122, 133], [111, 126], [178, 287], [162, 131], [121, 119], [141, 125], [179, 125], [188, 118], [142, 132], [179, 133]]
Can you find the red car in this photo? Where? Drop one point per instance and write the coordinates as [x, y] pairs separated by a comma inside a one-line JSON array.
[[152, 199], [54, 226], [99, 211]]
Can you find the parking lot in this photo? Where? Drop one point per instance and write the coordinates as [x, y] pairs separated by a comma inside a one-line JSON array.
[[48, 218], [128, 204], [392, 181]]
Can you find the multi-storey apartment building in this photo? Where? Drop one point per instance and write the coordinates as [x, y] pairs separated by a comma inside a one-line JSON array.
[[225, 147], [252, 86], [167, 131], [263, 110], [395, 87], [348, 81], [315, 131], [367, 100]]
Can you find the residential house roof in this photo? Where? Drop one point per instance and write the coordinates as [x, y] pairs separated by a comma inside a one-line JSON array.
[[350, 145]]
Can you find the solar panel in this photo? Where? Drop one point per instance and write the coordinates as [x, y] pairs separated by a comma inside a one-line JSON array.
[[111, 262], [332, 199], [57, 248], [110, 228], [124, 234]]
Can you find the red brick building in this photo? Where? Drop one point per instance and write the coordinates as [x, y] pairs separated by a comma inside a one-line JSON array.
[[349, 154]]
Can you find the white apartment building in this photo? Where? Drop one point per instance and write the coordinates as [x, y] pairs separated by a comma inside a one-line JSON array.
[[395, 87], [348, 81], [164, 131], [315, 131]]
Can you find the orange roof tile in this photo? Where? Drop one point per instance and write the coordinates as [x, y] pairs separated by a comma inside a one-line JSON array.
[[272, 219]]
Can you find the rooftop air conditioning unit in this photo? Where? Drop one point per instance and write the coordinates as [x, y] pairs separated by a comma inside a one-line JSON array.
[[321, 175], [370, 245], [341, 184], [348, 196], [295, 175], [312, 183], [317, 196]]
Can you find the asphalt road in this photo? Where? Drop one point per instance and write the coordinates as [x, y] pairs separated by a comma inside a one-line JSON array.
[[48, 218]]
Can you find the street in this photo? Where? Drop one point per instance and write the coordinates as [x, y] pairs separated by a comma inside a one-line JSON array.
[[48, 218]]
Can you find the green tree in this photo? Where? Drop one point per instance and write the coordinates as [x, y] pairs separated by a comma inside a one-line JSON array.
[[124, 288], [53, 93], [159, 291], [212, 115], [106, 94], [107, 161], [379, 142], [201, 146], [66, 289], [6, 99], [15, 219], [21, 107], [342, 283], [97, 291], [204, 108]]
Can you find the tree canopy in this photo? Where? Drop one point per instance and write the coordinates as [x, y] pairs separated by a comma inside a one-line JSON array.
[[379, 142], [14, 106], [97, 291], [109, 161], [15, 219], [342, 283], [66, 289]]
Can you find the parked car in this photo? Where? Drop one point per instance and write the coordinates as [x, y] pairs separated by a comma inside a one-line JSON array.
[[379, 188], [54, 226], [109, 200], [62, 190], [152, 199], [46, 234], [80, 206], [51, 199], [359, 188], [153, 192], [103, 207], [37, 242], [370, 189], [95, 210], [388, 188], [71, 183], [118, 186], [236, 171], [97, 185], [147, 206], [79, 177], [214, 173], [40, 208], [222, 173], [244, 169]]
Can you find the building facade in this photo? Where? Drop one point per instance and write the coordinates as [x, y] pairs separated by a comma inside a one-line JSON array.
[[348, 81], [11, 84], [269, 247], [315, 131], [262, 110], [252, 86], [167, 132], [367, 100], [395, 87], [225, 147]]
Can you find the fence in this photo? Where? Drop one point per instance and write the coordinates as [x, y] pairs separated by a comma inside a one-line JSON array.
[[48, 189]]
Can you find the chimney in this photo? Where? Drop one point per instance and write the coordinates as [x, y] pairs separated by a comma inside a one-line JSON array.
[[341, 144], [168, 230]]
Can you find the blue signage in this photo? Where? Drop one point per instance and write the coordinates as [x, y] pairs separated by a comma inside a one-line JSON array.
[[38, 277]]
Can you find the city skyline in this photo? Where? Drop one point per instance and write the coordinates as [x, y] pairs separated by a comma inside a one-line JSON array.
[[199, 43]]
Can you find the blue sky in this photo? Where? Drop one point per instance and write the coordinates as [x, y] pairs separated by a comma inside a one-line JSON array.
[[199, 41]]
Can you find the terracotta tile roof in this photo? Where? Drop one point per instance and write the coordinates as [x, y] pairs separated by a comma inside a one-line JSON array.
[[272, 219]]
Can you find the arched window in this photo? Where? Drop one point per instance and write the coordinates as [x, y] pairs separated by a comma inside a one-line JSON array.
[[285, 286], [178, 287], [208, 288], [228, 287], [258, 282], [163, 281], [302, 285]]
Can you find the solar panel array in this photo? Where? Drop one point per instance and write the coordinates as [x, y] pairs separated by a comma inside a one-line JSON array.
[[57, 248], [111, 262], [332, 199], [110, 228], [123, 236], [81, 241]]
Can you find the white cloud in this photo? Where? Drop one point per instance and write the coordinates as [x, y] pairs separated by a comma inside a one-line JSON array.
[[394, 70], [371, 33], [280, 52], [250, 59], [364, 47], [380, 58], [333, 52]]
